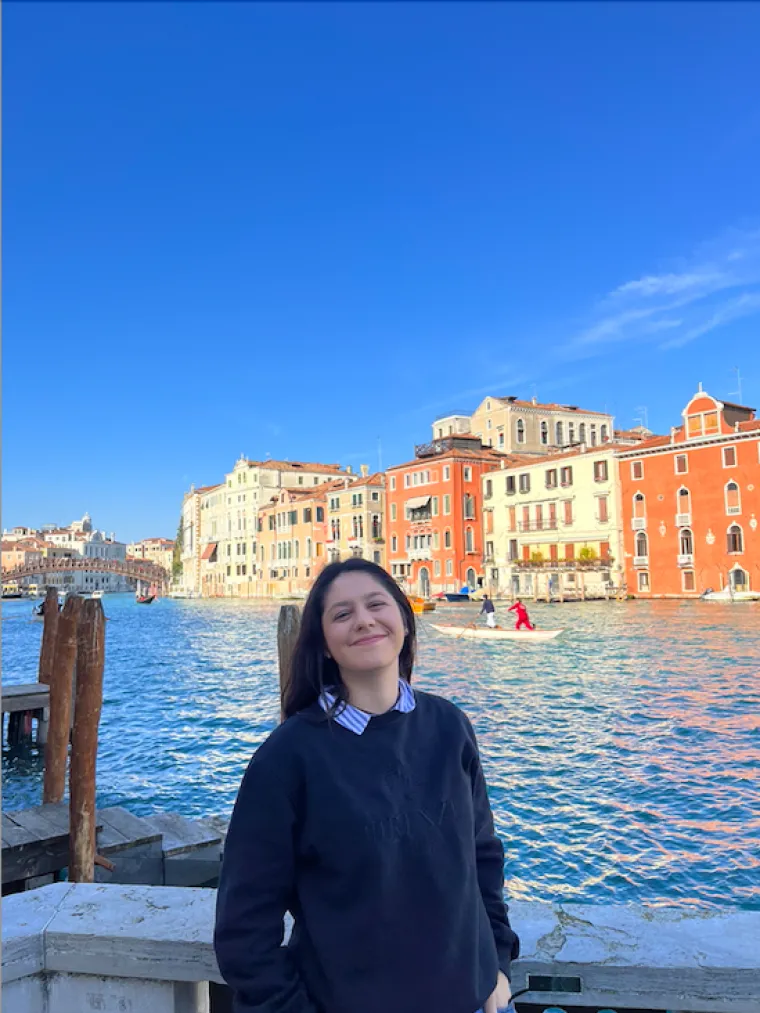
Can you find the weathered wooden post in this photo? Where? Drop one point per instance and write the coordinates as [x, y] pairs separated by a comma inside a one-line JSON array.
[[49, 632], [61, 683], [84, 741], [288, 625]]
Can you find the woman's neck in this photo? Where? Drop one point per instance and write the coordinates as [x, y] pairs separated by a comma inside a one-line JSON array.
[[372, 692]]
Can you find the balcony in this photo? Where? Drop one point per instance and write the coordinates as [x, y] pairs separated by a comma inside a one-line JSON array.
[[733, 510], [418, 554], [686, 559], [683, 520], [639, 523], [641, 560], [548, 524]]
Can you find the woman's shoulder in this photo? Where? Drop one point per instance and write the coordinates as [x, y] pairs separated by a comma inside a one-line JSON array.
[[444, 709], [284, 741]]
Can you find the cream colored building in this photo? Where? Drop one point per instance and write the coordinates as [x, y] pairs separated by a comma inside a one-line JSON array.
[[156, 550], [356, 518], [511, 425], [553, 524]]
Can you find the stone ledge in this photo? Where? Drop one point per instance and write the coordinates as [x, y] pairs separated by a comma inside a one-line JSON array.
[[625, 956]]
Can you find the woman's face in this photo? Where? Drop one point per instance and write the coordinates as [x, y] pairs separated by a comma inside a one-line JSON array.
[[362, 624]]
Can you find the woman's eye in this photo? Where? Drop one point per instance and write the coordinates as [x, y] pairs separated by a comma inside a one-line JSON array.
[[376, 604], [342, 615]]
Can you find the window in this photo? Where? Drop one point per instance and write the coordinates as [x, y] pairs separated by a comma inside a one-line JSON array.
[[603, 433], [733, 498], [320, 513], [570, 551], [593, 436], [558, 434], [512, 519], [488, 424], [525, 483], [643, 578], [571, 432], [407, 481], [469, 507], [551, 479], [729, 457], [468, 474], [394, 544], [735, 539], [447, 504], [375, 497], [489, 488], [642, 545], [469, 541], [639, 505], [686, 542], [394, 512], [637, 469], [544, 432], [446, 473], [449, 567], [511, 485], [520, 431], [436, 540], [393, 483], [447, 538], [437, 568], [501, 439], [512, 552], [702, 424], [600, 471], [582, 432], [603, 510], [688, 582], [566, 476], [357, 499], [681, 464], [568, 508]]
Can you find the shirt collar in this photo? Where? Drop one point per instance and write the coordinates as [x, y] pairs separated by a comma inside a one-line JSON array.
[[356, 720]]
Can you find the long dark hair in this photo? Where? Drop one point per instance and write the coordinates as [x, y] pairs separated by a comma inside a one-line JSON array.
[[310, 669]]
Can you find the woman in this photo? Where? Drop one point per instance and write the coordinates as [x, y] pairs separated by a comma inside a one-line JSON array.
[[365, 814]]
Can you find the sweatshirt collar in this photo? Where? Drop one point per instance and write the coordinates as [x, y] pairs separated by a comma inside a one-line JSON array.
[[356, 720]]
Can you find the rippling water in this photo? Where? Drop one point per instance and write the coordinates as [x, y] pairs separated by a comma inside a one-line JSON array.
[[622, 758]]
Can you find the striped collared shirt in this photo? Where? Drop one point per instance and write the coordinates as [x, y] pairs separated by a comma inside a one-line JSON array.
[[355, 720]]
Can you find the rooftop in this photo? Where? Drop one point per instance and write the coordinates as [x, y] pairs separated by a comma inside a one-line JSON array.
[[297, 466]]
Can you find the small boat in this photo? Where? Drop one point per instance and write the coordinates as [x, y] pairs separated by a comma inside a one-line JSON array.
[[489, 633], [97, 594], [145, 599], [420, 605], [729, 594], [456, 596]]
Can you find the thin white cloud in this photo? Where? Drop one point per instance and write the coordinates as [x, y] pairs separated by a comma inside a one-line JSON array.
[[674, 284], [734, 309]]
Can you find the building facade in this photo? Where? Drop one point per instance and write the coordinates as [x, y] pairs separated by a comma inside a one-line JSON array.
[[552, 525], [292, 532], [511, 425], [356, 518], [434, 515], [156, 550], [691, 504]]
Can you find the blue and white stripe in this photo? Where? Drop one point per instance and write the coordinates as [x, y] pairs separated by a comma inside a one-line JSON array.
[[356, 720]]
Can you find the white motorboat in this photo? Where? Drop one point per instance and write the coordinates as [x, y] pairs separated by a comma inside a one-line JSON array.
[[491, 633], [729, 594]]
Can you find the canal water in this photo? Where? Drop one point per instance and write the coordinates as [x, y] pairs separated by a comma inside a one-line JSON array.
[[623, 759]]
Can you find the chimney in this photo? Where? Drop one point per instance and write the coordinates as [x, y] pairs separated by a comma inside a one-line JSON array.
[[672, 435], [364, 470], [348, 469]]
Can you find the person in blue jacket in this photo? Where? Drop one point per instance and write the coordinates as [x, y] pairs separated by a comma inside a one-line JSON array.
[[365, 815]]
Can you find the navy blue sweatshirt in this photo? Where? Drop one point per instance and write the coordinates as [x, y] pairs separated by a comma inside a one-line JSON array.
[[382, 846]]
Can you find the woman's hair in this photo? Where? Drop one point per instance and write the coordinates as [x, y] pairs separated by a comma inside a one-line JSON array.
[[311, 671]]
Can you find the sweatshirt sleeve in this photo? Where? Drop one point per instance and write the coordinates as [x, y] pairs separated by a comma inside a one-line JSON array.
[[489, 855], [256, 887]]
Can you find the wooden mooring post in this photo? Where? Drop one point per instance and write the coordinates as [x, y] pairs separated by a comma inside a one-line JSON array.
[[61, 686], [84, 741], [49, 633], [288, 627]]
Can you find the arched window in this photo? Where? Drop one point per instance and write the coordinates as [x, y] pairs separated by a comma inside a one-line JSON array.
[[593, 436], [735, 539], [571, 432], [603, 433], [639, 505], [642, 545], [520, 430], [686, 542], [544, 432], [470, 578], [308, 548], [683, 506], [738, 579], [582, 432], [469, 541], [558, 434], [733, 498]]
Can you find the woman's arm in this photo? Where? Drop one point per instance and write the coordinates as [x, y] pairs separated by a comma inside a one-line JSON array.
[[255, 890]]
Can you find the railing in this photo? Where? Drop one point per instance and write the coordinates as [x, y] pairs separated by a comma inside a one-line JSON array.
[[548, 524], [733, 510], [639, 523], [417, 554], [641, 560], [683, 520], [686, 559], [103, 946]]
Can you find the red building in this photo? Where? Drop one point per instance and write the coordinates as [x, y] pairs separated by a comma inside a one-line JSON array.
[[691, 504], [435, 515]]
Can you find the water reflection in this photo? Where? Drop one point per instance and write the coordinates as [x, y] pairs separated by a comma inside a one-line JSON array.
[[623, 758]]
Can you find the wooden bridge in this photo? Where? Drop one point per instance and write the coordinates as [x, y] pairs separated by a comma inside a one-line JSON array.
[[136, 569]]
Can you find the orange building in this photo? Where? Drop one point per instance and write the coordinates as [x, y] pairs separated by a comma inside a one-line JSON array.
[[691, 503], [292, 534], [434, 515]]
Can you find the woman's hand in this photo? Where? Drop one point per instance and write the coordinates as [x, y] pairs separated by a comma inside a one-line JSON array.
[[501, 995]]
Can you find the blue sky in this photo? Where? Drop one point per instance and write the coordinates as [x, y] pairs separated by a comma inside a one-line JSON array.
[[295, 230]]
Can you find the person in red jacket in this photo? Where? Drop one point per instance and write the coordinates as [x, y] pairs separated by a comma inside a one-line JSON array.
[[522, 615]]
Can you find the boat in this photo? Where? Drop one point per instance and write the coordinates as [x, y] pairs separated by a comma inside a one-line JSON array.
[[97, 594], [729, 594], [420, 605], [489, 633], [145, 599], [456, 596]]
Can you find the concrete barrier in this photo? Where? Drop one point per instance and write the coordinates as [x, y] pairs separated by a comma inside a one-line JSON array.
[[111, 948]]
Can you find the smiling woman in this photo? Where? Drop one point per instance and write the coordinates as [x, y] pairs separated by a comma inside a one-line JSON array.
[[366, 815]]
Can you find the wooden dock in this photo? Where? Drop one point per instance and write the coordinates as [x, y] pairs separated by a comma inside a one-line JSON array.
[[24, 704], [160, 849]]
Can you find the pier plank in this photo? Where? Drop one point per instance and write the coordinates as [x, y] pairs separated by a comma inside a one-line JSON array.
[[134, 829], [15, 836], [182, 834], [26, 696]]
